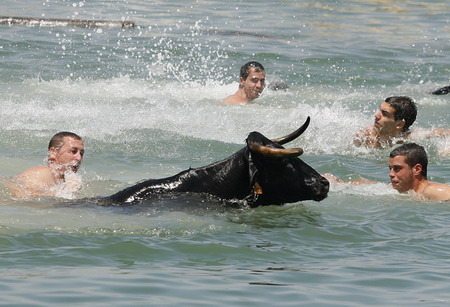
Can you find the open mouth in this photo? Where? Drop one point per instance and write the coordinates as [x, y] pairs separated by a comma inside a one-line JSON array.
[[74, 167]]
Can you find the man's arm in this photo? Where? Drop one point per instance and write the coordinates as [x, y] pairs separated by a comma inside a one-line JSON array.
[[421, 133], [333, 179], [440, 132]]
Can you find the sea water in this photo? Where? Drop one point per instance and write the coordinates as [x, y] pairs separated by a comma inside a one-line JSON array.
[[145, 101]]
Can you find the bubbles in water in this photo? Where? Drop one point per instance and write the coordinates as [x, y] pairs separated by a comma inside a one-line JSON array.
[[70, 187]]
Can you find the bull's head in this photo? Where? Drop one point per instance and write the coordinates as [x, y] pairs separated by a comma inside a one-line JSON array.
[[277, 174]]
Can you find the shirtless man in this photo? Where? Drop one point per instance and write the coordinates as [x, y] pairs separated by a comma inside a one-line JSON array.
[[65, 154], [251, 84], [392, 124], [408, 172]]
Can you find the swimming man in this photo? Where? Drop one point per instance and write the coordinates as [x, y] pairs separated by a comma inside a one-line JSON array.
[[408, 165], [392, 123], [65, 154], [252, 81]]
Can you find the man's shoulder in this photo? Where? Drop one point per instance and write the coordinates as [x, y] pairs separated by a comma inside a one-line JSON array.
[[35, 172], [232, 99], [32, 182], [366, 136], [236, 98], [437, 191], [39, 176]]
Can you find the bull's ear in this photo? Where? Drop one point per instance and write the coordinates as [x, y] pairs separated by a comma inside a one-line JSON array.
[[254, 186], [252, 170], [256, 137]]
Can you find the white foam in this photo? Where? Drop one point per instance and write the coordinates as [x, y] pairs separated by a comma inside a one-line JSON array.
[[101, 108]]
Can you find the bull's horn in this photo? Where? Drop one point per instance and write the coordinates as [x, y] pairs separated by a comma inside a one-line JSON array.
[[275, 152], [292, 136]]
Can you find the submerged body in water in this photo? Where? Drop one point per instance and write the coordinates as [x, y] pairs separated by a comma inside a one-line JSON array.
[[263, 173], [65, 155]]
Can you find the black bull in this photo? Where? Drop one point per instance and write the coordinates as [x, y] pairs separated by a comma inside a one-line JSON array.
[[262, 173]]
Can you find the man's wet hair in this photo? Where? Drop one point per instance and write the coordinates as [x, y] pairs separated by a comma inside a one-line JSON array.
[[414, 154], [405, 109], [57, 140], [245, 69]]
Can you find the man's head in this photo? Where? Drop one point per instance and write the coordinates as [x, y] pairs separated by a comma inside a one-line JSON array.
[[252, 79], [65, 151], [396, 115], [405, 109], [407, 163]]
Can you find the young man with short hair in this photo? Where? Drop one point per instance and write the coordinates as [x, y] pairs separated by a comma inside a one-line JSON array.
[[408, 165], [392, 121], [65, 154], [252, 81], [408, 172]]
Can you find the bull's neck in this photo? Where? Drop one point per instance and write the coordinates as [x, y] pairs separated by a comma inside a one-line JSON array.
[[229, 177]]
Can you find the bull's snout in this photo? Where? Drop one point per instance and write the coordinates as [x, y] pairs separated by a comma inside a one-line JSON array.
[[319, 187]]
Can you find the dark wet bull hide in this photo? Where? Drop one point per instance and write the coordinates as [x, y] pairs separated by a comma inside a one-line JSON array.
[[262, 173]]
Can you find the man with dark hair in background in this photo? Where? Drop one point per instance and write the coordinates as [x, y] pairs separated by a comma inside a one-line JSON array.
[[251, 84], [392, 121]]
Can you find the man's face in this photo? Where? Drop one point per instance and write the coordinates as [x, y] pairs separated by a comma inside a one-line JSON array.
[[70, 155], [254, 84], [385, 122], [401, 174]]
